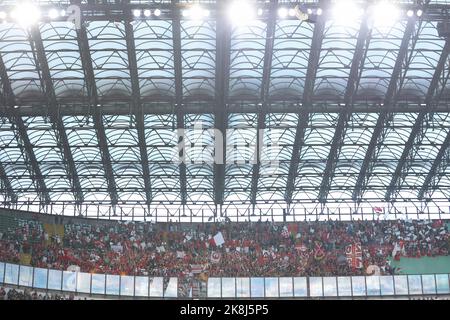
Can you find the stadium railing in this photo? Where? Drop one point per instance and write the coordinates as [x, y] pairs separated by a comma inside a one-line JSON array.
[[253, 287]]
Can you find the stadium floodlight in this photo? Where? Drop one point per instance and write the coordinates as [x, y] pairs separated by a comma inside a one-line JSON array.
[[147, 13], [292, 12], [346, 12], [26, 14], [53, 13], [419, 12], [196, 13], [185, 13], [260, 12], [309, 11], [409, 13], [63, 13], [385, 13], [319, 11], [282, 13], [241, 12], [157, 12], [136, 13], [2, 15]]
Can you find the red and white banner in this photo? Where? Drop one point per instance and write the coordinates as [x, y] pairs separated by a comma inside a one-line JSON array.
[[353, 253], [197, 268], [215, 257]]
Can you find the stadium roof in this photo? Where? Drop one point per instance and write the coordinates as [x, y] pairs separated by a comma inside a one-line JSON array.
[[352, 111]]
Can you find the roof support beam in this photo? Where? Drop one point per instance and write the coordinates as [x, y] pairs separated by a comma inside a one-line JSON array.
[[55, 117], [313, 63], [26, 146], [96, 111], [359, 56], [137, 107], [72, 108], [417, 134], [223, 42], [5, 185], [267, 70], [176, 36], [395, 84], [442, 160]]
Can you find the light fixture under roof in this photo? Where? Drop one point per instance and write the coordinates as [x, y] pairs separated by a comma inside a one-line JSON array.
[[137, 13], [26, 14], [196, 12], [241, 12], [346, 12], [147, 13], [53, 14], [385, 13], [157, 12], [282, 13]]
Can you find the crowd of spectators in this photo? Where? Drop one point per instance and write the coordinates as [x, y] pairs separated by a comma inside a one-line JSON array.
[[250, 249], [26, 294]]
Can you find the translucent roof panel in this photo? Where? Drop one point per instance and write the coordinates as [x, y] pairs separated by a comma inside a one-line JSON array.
[[155, 57], [137, 100], [17, 55]]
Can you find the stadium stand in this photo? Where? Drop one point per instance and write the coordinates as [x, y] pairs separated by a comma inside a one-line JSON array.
[[254, 249]]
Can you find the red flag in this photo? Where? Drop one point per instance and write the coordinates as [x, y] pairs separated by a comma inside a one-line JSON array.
[[377, 209]]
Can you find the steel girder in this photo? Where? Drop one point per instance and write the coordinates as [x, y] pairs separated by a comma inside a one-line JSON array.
[[268, 54], [96, 111], [390, 100], [223, 43], [442, 160], [26, 146], [5, 183], [313, 63], [176, 36], [75, 109], [137, 107], [417, 134], [55, 116], [359, 57], [6, 186]]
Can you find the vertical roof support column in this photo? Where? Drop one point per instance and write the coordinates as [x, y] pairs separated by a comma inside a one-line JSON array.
[[26, 146], [55, 116], [359, 56], [223, 42], [268, 54], [313, 64], [176, 35], [137, 107], [418, 132], [401, 65], [86, 59]]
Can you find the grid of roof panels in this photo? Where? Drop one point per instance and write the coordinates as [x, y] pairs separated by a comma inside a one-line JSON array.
[[324, 111]]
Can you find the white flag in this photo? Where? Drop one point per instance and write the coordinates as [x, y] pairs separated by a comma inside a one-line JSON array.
[[218, 239]]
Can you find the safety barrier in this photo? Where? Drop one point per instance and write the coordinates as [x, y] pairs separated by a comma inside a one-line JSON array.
[[253, 287]]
